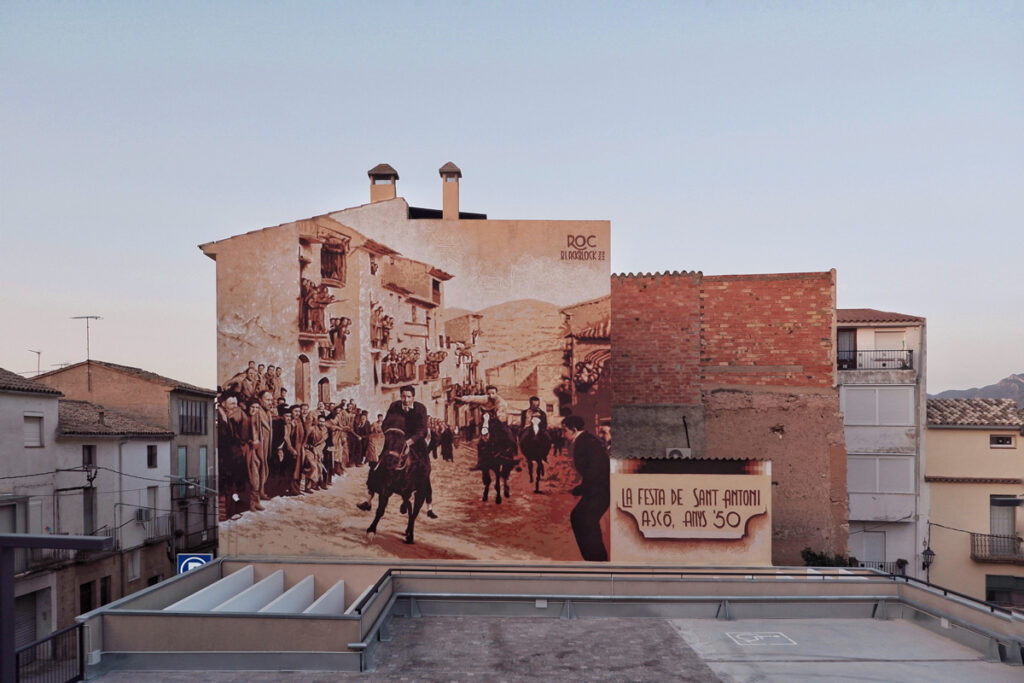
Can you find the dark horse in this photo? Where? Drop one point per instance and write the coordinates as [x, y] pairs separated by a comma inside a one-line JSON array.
[[535, 443], [497, 452], [401, 471]]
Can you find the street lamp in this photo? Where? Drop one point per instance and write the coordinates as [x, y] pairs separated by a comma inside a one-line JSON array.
[[927, 558]]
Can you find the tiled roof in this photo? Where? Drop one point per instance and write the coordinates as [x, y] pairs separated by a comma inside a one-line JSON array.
[[10, 381], [382, 170], [871, 315], [82, 418], [601, 330], [974, 412], [144, 374]]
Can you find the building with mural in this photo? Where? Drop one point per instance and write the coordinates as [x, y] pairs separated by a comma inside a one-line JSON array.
[[323, 322]]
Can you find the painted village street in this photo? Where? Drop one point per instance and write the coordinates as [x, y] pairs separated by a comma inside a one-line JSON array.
[[526, 526]]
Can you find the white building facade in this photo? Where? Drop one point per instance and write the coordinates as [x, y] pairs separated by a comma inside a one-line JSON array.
[[881, 361]]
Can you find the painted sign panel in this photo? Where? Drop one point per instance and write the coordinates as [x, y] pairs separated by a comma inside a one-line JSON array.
[[394, 387], [190, 561], [692, 505]]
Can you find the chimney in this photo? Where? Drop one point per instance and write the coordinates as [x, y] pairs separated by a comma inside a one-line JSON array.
[[450, 175], [382, 182]]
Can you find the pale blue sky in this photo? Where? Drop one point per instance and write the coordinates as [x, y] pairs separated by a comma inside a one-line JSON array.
[[881, 139]]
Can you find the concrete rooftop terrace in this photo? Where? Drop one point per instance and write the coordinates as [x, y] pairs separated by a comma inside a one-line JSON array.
[[307, 620]]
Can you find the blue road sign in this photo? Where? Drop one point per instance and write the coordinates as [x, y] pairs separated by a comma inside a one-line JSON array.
[[188, 561]]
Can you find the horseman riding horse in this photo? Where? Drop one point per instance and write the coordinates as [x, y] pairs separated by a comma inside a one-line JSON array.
[[535, 443], [497, 452], [403, 471]]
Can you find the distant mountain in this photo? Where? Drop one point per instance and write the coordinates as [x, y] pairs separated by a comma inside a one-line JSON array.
[[1008, 387], [516, 329]]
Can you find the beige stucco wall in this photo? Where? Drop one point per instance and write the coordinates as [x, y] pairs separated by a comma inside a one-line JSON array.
[[965, 453]]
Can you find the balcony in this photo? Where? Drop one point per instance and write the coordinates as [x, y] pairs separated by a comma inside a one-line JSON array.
[[193, 487], [40, 559], [160, 526], [896, 359], [198, 539], [898, 567], [1001, 549]]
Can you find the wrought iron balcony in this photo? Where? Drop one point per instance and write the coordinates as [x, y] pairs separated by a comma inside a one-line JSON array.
[[991, 548], [896, 567], [159, 526], [896, 359]]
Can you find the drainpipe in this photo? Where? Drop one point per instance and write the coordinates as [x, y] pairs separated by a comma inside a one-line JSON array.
[[118, 513]]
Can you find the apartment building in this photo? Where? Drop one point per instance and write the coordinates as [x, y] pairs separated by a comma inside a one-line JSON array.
[[881, 362], [975, 471]]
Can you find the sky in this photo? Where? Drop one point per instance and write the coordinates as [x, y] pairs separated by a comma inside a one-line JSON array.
[[882, 139]]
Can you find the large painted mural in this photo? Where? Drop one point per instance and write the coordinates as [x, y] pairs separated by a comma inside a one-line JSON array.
[[396, 387]]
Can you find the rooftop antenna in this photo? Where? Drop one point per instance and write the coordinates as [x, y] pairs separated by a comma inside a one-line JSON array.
[[39, 356], [88, 368]]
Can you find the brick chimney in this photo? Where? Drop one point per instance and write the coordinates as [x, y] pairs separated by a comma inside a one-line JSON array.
[[450, 175], [382, 182]]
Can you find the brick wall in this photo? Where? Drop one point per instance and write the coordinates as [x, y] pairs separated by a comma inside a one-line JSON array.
[[768, 329], [656, 339], [748, 360]]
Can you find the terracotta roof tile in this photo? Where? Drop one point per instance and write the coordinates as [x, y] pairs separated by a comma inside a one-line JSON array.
[[10, 381], [82, 418], [974, 412], [871, 315]]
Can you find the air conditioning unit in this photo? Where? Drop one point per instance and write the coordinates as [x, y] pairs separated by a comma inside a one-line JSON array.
[[677, 453], [143, 515]]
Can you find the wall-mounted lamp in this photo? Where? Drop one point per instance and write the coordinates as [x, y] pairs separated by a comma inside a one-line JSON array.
[[927, 558]]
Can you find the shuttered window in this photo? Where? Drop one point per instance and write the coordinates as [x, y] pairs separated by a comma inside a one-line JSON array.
[[33, 431]]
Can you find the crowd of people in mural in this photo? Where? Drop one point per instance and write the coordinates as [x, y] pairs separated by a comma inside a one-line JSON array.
[[268, 447]]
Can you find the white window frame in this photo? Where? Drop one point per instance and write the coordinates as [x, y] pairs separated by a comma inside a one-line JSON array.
[[39, 418], [1012, 444]]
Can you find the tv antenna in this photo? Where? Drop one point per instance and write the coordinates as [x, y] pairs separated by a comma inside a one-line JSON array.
[[39, 357], [86, 318]]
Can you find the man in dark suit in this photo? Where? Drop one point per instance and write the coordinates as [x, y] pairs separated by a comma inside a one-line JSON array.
[[410, 416], [591, 461]]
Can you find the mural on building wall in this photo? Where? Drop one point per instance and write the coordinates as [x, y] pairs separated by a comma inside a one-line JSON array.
[[388, 397]]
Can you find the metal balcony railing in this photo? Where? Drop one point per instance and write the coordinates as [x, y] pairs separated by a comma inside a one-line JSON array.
[[898, 359], [194, 487], [159, 527], [899, 568], [57, 658], [992, 548], [30, 559], [199, 538]]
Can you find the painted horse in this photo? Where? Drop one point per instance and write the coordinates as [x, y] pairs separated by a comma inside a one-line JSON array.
[[403, 471], [535, 444], [497, 452]]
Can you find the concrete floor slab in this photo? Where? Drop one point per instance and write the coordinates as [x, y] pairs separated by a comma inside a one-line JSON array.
[[834, 650]]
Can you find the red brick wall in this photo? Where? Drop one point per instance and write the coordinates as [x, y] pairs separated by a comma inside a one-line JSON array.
[[750, 360], [768, 329], [656, 339]]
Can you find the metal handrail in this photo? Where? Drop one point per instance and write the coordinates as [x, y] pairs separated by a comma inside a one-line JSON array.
[[824, 573]]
